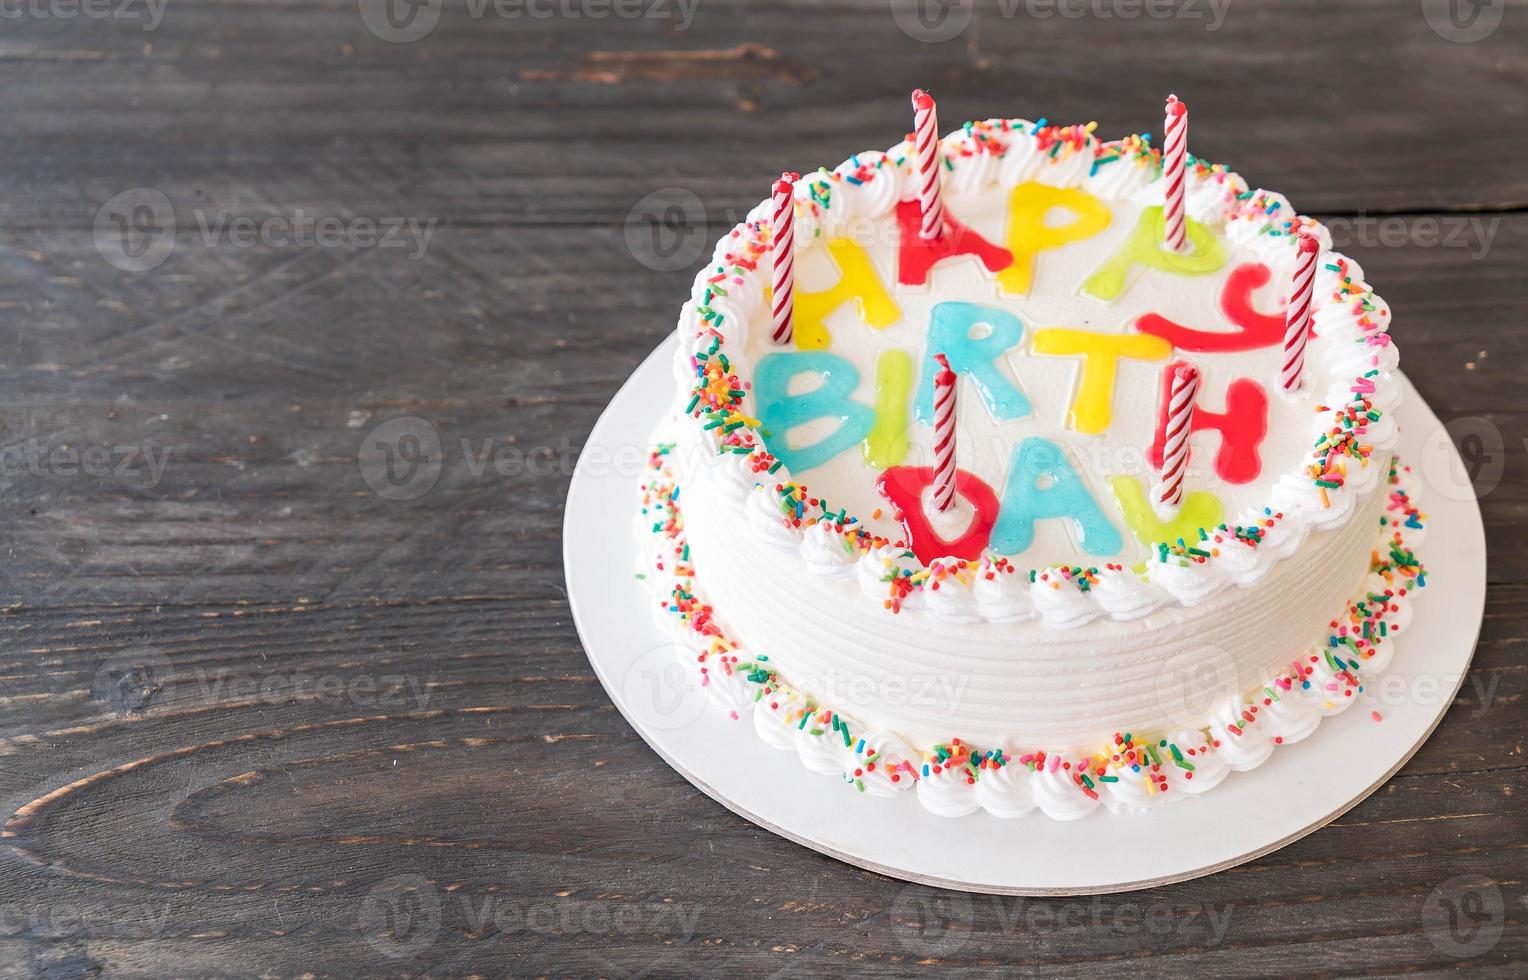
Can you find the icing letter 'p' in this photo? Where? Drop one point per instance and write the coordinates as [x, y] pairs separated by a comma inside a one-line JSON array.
[[1063, 495], [780, 411], [1144, 248], [1029, 235], [949, 333]]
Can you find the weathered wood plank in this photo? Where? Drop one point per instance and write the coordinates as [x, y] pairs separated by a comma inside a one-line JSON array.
[[347, 707], [258, 110]]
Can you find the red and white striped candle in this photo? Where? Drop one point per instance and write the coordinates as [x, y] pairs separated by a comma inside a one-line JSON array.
[[783, 251], [944, 435], [1298, 316], [1174, 159], [1180, 423], [926, 143]]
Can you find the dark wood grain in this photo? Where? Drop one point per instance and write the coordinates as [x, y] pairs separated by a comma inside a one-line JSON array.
[[247, 706]]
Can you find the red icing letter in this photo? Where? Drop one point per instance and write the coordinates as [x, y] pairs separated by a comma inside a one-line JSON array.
[[917, 255], [1255, 329], [1242, 427], [904, 486]]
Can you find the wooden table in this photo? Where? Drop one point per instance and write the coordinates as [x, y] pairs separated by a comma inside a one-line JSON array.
[[260, 714]]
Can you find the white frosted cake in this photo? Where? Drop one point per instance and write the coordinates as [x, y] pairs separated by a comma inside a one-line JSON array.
[[1057, 640]]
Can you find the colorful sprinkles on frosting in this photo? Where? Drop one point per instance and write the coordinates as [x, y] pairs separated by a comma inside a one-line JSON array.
[[1353, 639], [719, 395]]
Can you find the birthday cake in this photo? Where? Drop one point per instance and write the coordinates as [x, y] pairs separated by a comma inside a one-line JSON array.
[[1021, 471]]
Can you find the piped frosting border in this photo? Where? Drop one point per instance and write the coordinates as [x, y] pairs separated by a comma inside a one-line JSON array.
[[1131, 773], [1353, 420]]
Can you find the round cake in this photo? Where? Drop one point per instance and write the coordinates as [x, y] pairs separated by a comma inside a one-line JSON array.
[[1057, 609]]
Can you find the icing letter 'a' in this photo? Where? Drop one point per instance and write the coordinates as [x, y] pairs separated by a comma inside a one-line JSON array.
[[949, 333], [1254, 329], [780, 411], [886, 445], [1199, 510], [1063, 495], [1242, 427], [916, 255], [1144, 248], [1092, 405], [904, 487], [1029, 235], [858, 283]]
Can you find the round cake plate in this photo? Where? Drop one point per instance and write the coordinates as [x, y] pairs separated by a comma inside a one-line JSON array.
[[1299, 789]]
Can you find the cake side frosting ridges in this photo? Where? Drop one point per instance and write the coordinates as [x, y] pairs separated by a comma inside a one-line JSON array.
[[1129, 772]]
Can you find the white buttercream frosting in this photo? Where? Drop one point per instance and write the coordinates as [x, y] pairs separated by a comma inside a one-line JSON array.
[[1066, 656]]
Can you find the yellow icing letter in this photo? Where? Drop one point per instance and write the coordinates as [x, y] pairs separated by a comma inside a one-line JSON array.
[[1029, 235], [1144, 248], [1092, 405], [1199, 510], [858, 282]]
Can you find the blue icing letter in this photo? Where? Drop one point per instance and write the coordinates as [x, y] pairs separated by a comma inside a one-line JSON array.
[[1065, 495], [780, 411], [949, 333]]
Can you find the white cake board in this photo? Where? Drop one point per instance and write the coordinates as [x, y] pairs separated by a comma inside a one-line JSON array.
[[1298, 790]]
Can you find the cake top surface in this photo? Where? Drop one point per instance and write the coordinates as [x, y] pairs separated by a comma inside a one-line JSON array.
[[1064, 319]]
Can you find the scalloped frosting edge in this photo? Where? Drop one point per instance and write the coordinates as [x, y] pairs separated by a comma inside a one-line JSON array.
[[1130, 773]]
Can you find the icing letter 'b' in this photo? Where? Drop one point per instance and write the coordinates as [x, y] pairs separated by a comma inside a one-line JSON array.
[[1144, 248], [1199, 510], [858, 283], [1092, 406], [1029, 235], [949, 333], [780, 411], [904, 486], [1064, 495]]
